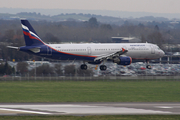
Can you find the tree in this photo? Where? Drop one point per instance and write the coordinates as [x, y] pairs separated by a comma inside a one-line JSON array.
[[143, 39], [6, 69], [22, 67], [106, 26], [58, 69], [156, 28], [44, 70], [51, 38], [156, 38], [1, 68], [87, 72], [93, 22], [69, 70], [8, 36]]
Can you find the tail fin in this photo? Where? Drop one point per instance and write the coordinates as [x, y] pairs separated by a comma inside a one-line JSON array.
[[30, 36]]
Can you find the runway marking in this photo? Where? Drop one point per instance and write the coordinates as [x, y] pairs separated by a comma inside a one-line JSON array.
[[165, 107], [26, 111], [51, 109]]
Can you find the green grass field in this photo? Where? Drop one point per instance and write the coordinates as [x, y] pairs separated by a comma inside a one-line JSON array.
[[110, 117], [90, 91]]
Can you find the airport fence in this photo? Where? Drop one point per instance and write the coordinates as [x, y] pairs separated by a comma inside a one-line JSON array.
[[90, 78]]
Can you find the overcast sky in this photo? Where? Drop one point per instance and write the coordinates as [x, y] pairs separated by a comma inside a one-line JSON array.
[[155, 6]]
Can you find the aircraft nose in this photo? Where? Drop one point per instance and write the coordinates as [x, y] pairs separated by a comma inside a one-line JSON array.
[[162, 53]]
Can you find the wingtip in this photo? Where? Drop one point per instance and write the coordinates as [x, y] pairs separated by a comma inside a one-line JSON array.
[[13, 47], [23, 19]]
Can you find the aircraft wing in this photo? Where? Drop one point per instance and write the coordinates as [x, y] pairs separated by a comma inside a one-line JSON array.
[[110, 56]]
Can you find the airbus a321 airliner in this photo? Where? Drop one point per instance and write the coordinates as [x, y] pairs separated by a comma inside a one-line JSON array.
[[120, 53]]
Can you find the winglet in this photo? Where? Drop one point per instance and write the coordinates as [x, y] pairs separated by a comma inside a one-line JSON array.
[[123, 49]]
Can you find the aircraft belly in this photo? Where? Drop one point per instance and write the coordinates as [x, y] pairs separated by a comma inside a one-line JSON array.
[[138, 54], [70, 56]]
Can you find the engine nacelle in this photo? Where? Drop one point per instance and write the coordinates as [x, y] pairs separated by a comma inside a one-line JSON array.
[[123, 60]]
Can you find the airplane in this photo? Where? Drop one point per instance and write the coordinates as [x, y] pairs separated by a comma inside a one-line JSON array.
[[92, 53]]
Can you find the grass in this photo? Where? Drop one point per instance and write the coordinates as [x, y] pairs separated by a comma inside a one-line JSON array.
[[90, 91], [110, 117]]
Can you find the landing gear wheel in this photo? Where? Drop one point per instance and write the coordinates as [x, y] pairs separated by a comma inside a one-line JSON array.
[[148, 66], [84, 67], [103, 67]]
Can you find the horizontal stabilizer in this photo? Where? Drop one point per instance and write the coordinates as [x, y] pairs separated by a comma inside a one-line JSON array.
[[13, 47]]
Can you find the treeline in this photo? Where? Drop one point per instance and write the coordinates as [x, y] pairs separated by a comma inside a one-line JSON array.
[[5, 69], [87, 31], [43, 70]]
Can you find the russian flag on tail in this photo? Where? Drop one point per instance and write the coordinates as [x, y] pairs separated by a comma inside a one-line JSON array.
[[30, 35]]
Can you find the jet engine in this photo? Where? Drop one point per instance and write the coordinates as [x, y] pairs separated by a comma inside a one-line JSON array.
[[123, 60]]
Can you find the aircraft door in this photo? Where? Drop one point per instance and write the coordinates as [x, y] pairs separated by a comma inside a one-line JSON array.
[[49, 51], [152, 49], [89, 50]]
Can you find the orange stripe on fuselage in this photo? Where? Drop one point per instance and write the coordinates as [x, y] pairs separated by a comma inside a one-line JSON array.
[[72, 54], [130, 60]]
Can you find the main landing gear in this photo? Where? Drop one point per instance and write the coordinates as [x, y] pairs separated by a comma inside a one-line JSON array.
[[84, 67], [147, 65], [102, 67]]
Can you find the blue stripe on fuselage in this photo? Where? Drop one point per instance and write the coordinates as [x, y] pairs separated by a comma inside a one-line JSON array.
[[61, 55]]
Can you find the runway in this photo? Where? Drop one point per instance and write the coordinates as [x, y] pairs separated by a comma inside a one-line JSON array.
[[90, 108]]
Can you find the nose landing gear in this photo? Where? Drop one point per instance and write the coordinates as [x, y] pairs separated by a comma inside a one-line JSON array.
[[147, 65]]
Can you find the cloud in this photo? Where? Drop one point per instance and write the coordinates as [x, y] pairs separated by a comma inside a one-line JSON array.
[[157, 6]]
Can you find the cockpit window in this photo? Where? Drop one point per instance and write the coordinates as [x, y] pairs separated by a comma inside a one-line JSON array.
[[158, 48]]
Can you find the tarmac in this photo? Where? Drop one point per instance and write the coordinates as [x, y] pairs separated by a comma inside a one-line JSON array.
[[100, 108]]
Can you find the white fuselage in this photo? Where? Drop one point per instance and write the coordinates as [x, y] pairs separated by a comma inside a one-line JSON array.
[[135, 50]]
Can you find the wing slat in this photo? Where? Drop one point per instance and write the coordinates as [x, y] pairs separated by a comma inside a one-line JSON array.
[[110, 56]]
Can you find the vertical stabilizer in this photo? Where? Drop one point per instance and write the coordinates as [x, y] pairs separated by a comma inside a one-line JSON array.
[[30, 36]]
